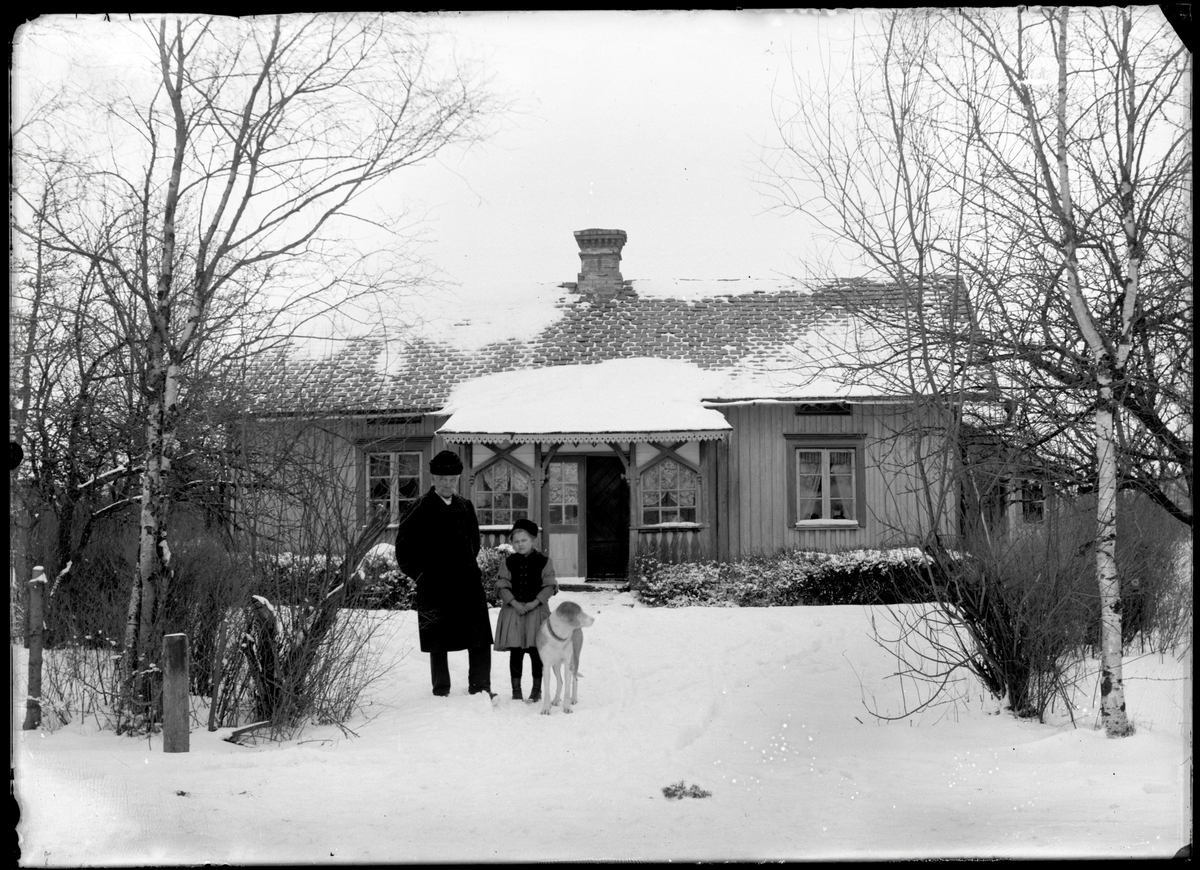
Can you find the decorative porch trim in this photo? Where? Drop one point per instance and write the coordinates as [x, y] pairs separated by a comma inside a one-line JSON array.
[[499, 454]]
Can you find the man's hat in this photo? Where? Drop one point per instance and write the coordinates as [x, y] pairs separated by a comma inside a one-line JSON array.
[[446, 462]]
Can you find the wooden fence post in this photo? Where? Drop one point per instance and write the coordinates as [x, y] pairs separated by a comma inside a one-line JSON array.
[[33, 700], [176, 712]]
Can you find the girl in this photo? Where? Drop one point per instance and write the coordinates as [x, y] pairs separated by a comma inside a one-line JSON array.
[[525, 584]]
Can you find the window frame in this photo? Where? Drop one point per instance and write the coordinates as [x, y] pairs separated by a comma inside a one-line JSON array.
[[664, 456], [530, 509], [825, 443], [1032, 494], [391, 447], [548, 504]]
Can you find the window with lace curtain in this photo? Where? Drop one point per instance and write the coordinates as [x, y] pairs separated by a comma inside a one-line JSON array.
[[825, 485], [670, 494], [501, 495], [825, 482]]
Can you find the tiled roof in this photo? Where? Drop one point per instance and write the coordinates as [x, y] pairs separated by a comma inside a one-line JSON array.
[[755, 330]]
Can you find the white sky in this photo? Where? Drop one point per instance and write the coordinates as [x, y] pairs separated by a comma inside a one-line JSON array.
[[650, 122]]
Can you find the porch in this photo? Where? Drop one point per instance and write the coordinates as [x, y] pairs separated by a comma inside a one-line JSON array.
[[611, 461]]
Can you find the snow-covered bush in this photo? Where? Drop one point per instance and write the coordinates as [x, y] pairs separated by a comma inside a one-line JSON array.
[[380, 583], [894, 576], [489, 560], [293, 578], [661, 584], [790, 577]]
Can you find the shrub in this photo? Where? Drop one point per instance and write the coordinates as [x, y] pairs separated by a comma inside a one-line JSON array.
[[677, 585], [380, 583], [80, 680], [210, 581], [1025, 607], [1154, 568], [292, 578], [298, 664], [489, 560], [93, 598], [790, 577], [678, 791]]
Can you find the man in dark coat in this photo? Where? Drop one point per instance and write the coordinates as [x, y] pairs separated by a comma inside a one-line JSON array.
[[436, 545]]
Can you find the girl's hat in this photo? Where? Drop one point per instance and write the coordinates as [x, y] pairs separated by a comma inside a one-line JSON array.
[[525, 526]]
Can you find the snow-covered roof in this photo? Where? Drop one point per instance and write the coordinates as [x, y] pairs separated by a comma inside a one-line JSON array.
[[643, 399], [782, 343]]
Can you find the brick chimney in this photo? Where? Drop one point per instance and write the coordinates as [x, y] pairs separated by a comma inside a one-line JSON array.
[[600, 262]]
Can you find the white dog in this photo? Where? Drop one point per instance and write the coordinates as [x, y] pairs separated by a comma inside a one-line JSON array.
[[559, 642]]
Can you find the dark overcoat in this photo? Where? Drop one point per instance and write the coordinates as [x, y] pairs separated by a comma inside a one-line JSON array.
[[436, 545]]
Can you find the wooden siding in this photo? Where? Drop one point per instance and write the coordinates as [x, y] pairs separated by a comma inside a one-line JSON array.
[[759, 465], [350, 439], [744, 481]]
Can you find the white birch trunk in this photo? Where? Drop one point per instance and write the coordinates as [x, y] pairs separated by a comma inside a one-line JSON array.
[[1112, 689], [143, 627]]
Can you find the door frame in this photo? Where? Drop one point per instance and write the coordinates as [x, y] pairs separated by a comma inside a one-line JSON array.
[[625, 520]]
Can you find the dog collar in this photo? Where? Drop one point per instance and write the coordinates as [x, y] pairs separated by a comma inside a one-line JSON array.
[[550, 628]]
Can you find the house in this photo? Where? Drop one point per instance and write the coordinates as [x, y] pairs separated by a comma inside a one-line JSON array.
[[727, 421]]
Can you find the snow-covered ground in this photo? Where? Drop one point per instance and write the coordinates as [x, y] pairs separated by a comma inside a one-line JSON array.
[[762, 707]]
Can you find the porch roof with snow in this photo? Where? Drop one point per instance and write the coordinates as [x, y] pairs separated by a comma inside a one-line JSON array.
[[626, 400]]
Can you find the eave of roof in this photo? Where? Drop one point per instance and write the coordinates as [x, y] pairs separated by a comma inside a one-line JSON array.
[[597, 437]]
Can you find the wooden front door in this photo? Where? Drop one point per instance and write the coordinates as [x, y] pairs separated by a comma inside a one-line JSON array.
[[606, 505]]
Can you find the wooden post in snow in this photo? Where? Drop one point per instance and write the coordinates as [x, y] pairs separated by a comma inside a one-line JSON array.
[[175, 693], [33, 700]]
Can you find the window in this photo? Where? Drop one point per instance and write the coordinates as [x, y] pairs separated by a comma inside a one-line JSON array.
[[825, 481], [825, 485], [1033, 501], [501, 495], [393, 482], [563, 503], [670, 494]]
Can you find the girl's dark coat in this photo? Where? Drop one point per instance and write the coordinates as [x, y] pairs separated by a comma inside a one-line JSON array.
[[436, 545]]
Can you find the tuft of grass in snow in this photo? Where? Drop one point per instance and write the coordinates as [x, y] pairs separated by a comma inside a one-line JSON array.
[[678, 791]]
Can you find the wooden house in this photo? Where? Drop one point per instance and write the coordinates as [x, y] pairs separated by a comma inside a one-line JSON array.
[[707, 426]]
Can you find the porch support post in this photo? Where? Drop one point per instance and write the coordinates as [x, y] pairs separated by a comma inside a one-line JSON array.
[[537, 509], [542, 462], [721, 514]]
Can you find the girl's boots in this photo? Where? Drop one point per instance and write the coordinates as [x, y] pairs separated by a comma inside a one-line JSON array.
[[536, 693], [517, 689]]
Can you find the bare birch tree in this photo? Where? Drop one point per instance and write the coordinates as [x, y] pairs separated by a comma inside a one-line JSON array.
[[1052, 163], [229, 203]]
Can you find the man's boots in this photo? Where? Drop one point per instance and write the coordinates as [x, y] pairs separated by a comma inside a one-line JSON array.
[[517, 696]]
